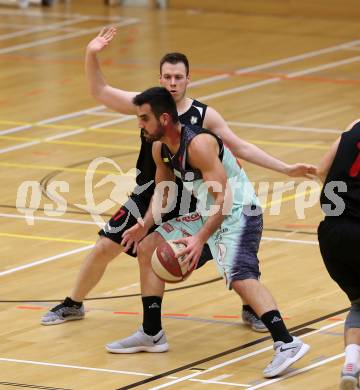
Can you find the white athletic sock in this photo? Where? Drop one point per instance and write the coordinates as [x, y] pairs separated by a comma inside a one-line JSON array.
[[352, 354]]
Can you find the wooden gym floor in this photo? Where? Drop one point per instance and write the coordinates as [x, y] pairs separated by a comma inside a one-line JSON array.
[[286, 83]]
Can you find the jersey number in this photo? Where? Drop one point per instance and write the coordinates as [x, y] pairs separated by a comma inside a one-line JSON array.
[[355, 168]]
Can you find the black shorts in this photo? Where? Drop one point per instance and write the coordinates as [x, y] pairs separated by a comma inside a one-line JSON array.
[[339, 239], [127, 215]]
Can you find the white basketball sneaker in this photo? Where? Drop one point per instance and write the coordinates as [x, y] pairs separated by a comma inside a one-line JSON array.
[[139, 342], [285, 355], [349, 377]]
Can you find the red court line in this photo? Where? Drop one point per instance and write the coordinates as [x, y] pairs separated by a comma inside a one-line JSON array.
[[65, 81], [40, 60], [200, 71], [37, 91], [335, 319], [284, 77], [163, 315], [320, 79], [30, 307]]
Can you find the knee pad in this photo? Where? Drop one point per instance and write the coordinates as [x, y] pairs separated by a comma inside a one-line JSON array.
[[353, 318]]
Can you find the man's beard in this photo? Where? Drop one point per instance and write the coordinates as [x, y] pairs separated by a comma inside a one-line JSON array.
[[155, 137]]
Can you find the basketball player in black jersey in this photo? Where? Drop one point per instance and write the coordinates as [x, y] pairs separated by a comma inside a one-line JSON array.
[[174, 76], [339, 235]]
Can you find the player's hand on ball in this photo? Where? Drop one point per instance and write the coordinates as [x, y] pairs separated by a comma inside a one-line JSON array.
[[192, 251]]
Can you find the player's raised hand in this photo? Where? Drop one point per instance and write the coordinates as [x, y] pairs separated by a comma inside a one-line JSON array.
[[105, 36]]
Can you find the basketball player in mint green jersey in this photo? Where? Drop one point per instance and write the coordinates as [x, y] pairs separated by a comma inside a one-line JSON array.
[[229, 220]]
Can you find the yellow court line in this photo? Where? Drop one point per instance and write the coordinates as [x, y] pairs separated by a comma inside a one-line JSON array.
[[95, 145], [136, 148], [42, 238], [289, 197], [290, 144], [55, 168], [80, 170], [70, 127], [74, 143], [118, 131], [73, 241]]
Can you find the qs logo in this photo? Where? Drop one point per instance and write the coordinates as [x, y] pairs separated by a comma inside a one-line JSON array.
[[123, 184], [29, 193]]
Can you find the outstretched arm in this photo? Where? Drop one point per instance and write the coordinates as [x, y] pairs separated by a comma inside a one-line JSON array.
[[113, 98], [251, 153]]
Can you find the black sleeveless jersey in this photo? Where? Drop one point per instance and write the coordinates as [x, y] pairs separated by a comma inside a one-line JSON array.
[[346, 169], [178, 161], [146, 165]]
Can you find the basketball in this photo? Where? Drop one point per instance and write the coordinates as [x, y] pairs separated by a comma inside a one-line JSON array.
[[166, 265]]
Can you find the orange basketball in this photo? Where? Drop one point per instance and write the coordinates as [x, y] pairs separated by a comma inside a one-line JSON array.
[[166, 265]]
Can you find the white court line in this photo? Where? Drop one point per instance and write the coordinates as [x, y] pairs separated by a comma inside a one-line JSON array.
[[277, 79], [214, 382], [325, 66], [243, 357], [290, 241], [209, 80], [283, 127], [42, 28], [283, 61], [124, 118], [46, 260], [54, 119], [76, 367], [111, 114], [203, 81], [215, 78], [204, 98], [188, 377], [62, 134], [296, 372], [15, 26], [142, 374], [40, 42], [353, 48], [19, 146], [96, 126], [299, 57], [41, 15], [241, 88], [50, 219]]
